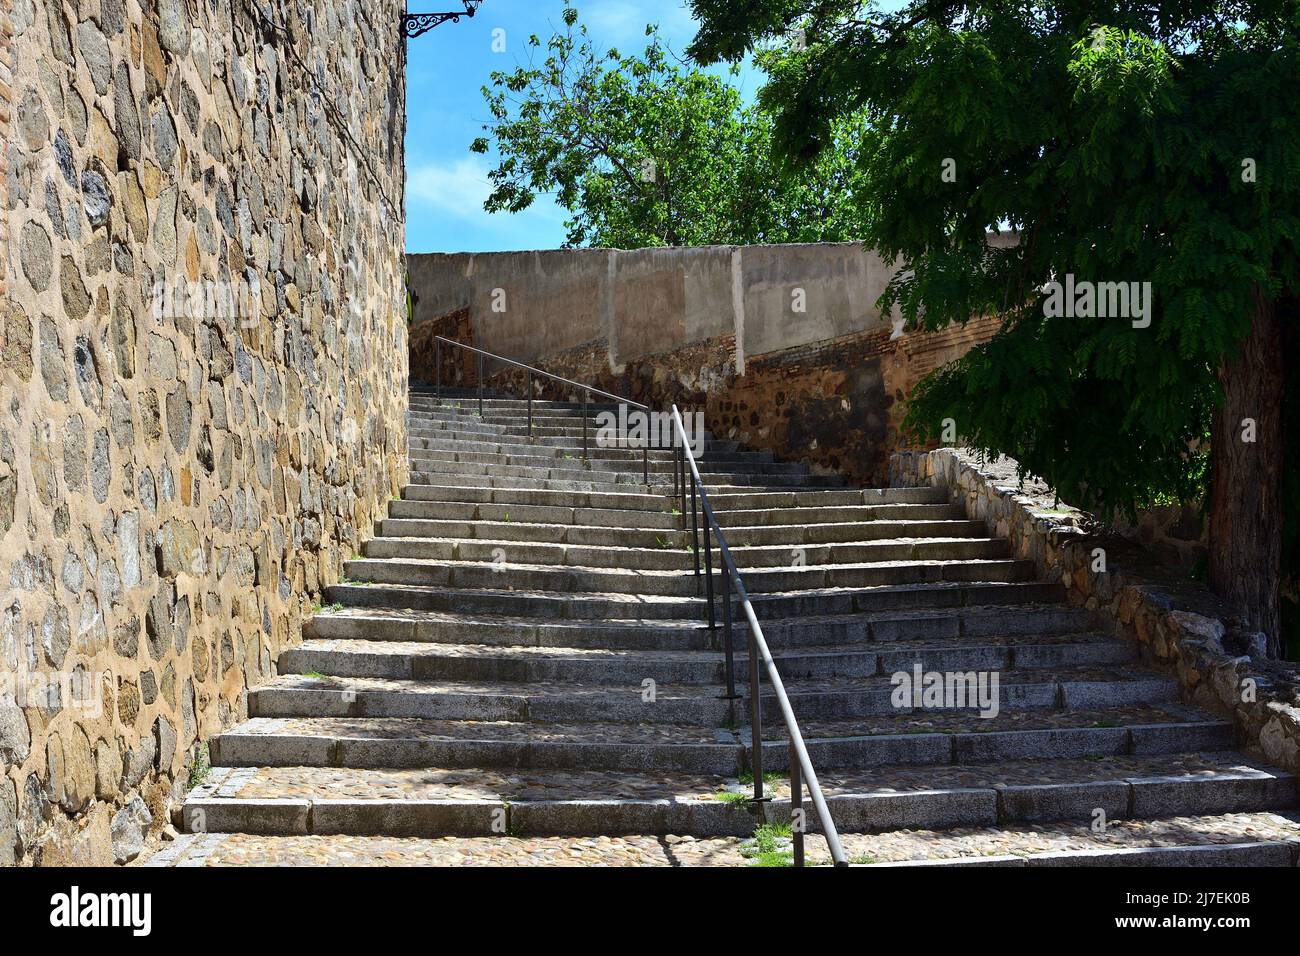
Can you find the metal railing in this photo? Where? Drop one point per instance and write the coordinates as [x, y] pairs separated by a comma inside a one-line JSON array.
[[801, 768], [587, 392]]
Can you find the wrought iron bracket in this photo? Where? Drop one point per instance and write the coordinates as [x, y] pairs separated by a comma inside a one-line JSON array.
[[413, 24]]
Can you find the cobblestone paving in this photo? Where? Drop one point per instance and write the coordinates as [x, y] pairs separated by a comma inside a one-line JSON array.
[[478, 784], [901, 845], [1055, 837], [521, 651], [938, 722], [467, 785], [1023, 773], [534, 688], [391, 728]]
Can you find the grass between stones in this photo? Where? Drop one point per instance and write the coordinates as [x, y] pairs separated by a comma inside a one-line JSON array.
[[200, 766], [771, 845]]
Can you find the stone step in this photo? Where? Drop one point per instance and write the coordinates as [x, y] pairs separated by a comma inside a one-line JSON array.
[[369, 685], [513, 402], [750, 518], [565, 500], [569, 431], [648, 549], [538, 449], [502, 572], [1076, 665], [443, 433], [1039, 623], [432, 472], [945, 736], [632, 499], [1245, 839], [409, 743], [1259, 839], [937, 737], [517, 512], [602, 481], [447, 802], [547, 605], [436, 458], [748, 545], [628, 484]]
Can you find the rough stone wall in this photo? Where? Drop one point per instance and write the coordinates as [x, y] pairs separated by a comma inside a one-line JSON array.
[[177, 483], [1177, 624], [836, 405], [459, 367]]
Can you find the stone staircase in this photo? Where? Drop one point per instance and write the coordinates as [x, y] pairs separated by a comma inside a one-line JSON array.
[[516, 670]]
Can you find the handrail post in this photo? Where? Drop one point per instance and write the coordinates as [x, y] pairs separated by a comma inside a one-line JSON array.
[[755, 720], [437, 375], [672, 451], [728, 642], [695, 536], [645, 463], [681, 460], [530, 403], [708, 569], [585, 397], [480, 385], [797, 821]]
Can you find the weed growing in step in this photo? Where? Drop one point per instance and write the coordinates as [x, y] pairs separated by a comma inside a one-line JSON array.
[[770, 846], [770, 778], [732, 798], [200, 766]]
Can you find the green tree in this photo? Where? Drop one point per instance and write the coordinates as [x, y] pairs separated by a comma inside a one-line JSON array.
[[1154, 142], [643, 152]]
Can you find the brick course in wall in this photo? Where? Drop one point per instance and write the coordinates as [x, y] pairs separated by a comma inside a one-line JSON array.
[[177, 485]]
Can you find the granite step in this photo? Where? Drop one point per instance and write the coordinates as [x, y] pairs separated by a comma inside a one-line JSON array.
[[501, 570], [548, 605], [482, 801], [1040, 624]]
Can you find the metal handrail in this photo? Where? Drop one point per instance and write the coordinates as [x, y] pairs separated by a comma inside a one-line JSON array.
[[587, 392], [800, 762], [537, 371]]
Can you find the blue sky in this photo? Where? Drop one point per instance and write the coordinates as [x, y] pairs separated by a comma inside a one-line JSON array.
[[446, 183]]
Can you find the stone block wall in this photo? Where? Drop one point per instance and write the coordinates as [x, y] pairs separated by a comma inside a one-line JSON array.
[[178, 478], [1178, 625]]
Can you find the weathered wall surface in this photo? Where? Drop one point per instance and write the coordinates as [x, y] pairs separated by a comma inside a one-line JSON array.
[[177, 485], [530, 305]]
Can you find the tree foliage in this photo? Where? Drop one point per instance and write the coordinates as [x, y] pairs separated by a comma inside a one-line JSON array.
[[1113, 143], [642, 151], [1152, 142]]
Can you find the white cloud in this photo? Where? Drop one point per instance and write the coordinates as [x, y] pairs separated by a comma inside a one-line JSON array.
[[458, 188], [619, 22]]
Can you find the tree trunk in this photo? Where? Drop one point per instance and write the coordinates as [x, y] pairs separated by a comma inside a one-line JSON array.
[[1246, 485]]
